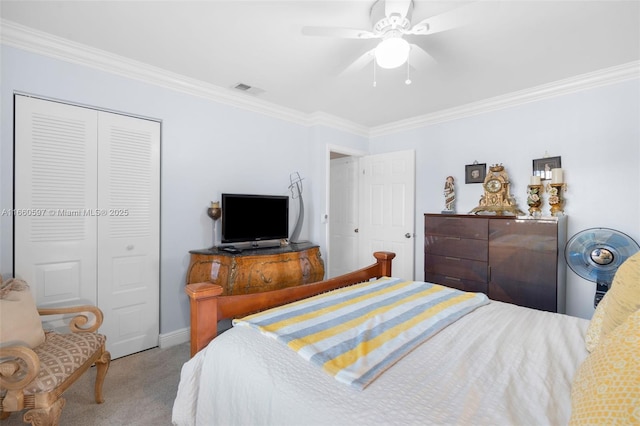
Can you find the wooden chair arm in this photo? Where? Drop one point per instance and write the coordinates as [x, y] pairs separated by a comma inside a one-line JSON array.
[[12, 376], [79, 322]]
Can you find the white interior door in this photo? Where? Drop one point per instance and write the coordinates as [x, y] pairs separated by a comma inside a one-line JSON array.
[[87, 230], [128, 231], [55, 182], [343, 214], [387, 209]]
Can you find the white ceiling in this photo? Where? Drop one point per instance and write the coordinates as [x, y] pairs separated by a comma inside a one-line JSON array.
[[498, 47]]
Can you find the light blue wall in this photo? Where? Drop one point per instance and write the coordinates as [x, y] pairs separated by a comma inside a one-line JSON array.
[[597, 134], [207, 148]]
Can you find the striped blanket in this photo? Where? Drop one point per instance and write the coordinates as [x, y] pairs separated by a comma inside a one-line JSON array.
[[357, 332]]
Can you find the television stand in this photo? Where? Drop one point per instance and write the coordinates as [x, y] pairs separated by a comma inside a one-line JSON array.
[[254, 270]]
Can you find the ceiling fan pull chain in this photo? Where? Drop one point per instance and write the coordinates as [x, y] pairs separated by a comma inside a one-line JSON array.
[[374, 74], [408, 80]]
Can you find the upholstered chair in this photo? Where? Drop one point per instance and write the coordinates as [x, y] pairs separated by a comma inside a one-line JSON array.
[[37, 366]]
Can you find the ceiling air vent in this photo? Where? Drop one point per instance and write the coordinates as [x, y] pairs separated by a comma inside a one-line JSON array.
[[248, 89]]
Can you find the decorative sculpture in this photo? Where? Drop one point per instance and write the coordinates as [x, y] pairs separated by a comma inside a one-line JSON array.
[[449, 195], [296, 192]]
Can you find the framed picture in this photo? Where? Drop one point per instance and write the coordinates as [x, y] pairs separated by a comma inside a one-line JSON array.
[[542, 166], [475, 173]]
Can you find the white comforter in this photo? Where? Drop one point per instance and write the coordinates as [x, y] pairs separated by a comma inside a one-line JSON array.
[[499, 365]]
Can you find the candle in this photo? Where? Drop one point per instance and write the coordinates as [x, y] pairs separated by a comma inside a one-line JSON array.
[[556, 175], [215, 205], [535, 180]]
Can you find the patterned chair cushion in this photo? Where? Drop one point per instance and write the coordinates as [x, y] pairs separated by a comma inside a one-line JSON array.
[[61, 355]]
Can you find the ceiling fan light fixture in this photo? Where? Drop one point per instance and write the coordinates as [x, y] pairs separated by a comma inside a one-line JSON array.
[[392, 52]]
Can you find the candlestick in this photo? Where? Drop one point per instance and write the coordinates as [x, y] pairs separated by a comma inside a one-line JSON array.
[[533, 199], [214, 212], [556, 202]]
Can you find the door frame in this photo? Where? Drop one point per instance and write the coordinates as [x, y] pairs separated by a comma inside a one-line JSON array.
[[341, 150]]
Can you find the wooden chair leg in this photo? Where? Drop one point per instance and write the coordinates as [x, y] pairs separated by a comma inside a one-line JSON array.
[[45, 416], [102, 366]]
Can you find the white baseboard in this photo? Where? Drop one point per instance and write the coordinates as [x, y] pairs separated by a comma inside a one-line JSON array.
[[174, 338]]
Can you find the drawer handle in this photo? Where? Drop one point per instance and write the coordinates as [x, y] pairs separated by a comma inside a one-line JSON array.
[[452, 278], [452, 258], [452, 238]]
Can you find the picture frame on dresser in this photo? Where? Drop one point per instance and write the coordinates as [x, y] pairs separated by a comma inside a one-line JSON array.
[[475, 173], [542, 166]]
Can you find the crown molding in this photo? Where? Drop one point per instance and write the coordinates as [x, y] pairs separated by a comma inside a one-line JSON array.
[[26, 38], [577, 83], [34, 41], [320, 118]]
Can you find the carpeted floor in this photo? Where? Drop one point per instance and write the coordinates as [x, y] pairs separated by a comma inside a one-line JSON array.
[[139, 390]]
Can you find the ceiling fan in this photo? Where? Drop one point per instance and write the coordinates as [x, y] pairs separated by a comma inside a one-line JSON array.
[[390, 21]]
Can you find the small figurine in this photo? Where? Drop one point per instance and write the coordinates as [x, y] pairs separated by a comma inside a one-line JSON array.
[[449, 195]]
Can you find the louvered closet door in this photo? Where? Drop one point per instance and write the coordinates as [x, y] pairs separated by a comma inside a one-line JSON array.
[[128, 235], [55, 181], [88, 183]]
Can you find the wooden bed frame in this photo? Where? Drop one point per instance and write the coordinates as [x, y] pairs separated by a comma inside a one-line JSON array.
[[208, 305]]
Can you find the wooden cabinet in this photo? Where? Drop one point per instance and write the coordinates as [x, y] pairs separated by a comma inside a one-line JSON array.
[[512, 260], [257, 270]]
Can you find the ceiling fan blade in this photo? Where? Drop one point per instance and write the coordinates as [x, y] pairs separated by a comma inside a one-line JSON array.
[[397, 7], [359, 64], [459, 17], [338, 32], [420, 59]]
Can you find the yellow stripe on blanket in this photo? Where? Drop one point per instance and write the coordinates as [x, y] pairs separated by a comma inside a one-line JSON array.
[[298, 344], [332, 308], [333, 366], [357, 332]]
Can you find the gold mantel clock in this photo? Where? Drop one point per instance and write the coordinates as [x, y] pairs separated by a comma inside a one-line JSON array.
[[497, 197]]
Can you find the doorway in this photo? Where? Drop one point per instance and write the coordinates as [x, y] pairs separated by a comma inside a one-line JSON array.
[[371, 200]]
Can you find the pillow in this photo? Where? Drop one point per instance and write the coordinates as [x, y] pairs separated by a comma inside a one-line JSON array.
[[624, 295], [19, 319], [595, 325], [606, 387]]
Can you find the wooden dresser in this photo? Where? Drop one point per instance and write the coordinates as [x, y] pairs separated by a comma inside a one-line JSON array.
[[257, 270], [513, 260]]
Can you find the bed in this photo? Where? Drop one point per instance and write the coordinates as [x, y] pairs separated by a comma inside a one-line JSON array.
[[497, 364]]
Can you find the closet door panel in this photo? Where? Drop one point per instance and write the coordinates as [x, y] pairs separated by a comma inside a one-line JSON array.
[[54, 221], [128, 231]]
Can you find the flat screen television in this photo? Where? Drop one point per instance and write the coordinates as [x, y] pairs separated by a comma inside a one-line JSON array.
[[252, 218]]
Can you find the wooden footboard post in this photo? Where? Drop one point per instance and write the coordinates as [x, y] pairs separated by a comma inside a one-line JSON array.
[[384, 259], [204, 313]]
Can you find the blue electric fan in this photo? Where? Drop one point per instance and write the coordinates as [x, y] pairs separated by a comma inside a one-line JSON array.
[[596, 253]]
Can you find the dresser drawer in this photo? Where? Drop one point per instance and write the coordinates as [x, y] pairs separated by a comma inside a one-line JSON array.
[[464, 248], [457, 283], [463, 227], [455, 267]]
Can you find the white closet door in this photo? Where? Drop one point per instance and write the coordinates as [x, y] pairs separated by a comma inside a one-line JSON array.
[[87, 191], [129, 231], [55, 182]]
